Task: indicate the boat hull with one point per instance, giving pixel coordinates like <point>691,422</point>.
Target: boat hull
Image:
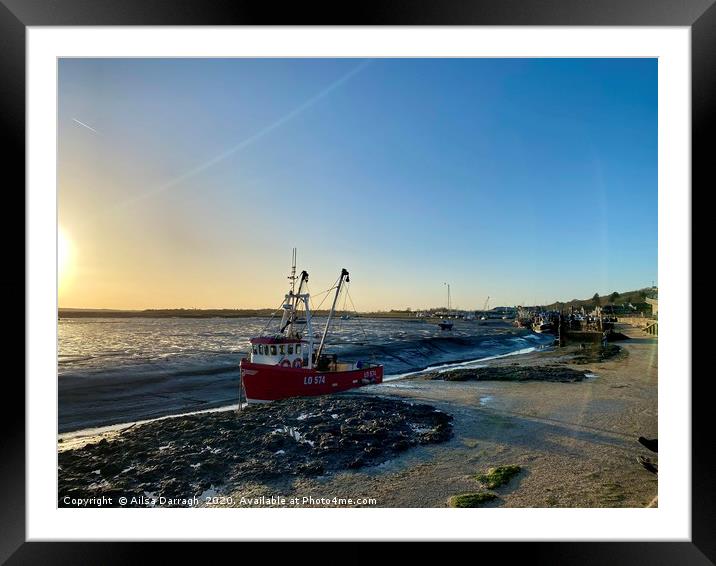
<point>264,382</point>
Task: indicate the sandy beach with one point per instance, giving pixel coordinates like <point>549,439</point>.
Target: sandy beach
<point>575,441</point>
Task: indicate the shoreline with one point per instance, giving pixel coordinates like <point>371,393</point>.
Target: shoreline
<point>575,442</point>
<point>106,390</point>
<point>106,431</point>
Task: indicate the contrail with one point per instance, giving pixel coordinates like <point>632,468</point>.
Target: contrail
<point>253,138</point>
<point>85,125</point>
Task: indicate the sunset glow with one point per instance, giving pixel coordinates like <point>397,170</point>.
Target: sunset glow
<point>64,258</point>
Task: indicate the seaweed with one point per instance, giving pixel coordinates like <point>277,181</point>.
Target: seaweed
<point>497,477</point>
<point>471,499</point>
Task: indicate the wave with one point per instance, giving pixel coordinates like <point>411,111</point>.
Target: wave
<point>418,354</point>
<point>396,357</point>
<point>141,375</point>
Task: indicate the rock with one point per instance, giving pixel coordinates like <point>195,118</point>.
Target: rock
<point>110,469</point>
<point>400,445</point>
<point>268,441</point>
<point>511,373</point>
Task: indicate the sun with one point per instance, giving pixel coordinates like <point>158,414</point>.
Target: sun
<point>65,253</point>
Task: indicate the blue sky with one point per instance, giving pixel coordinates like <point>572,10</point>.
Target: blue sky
<point>186,182</point>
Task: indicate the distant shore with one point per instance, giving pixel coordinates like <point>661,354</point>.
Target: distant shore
<point>569,424</point>
<point>163,313</point>
<point>208,313</point>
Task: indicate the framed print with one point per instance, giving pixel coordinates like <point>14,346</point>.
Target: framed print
<point>399,278</point>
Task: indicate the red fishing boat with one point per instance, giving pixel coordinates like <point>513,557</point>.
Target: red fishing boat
<point>286,363</point>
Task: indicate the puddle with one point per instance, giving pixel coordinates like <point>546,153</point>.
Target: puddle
<point>400,385</point>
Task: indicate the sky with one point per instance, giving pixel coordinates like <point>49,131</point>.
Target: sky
<point>185,183</point>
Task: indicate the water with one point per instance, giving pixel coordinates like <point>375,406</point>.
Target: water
<point>114,370</point>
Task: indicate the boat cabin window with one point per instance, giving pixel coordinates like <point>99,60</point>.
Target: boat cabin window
<point>255,349</point>
<point>273,350</point>
<point>298,348</point>
<point>282,349</point>
<point>261,349</point>
<point>290,349</point>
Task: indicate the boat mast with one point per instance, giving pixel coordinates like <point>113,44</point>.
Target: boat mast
<point>289,305</point>
<point>344,276</point>
<point>307,307</point>
<point>292,277</point>
<point>448,307</point>
<point>293,300</point>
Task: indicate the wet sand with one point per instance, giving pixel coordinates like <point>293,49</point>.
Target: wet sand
<point>575,442</point>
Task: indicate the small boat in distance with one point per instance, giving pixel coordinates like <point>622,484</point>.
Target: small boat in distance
<point>445,324</point>
<point>484,309</point>
<point>284,364</point>
<point>541,325</point>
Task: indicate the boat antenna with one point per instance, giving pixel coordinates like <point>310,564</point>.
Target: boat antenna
<point>292,277</point>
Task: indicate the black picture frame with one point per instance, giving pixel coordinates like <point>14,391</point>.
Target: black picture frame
<point>17,15</point>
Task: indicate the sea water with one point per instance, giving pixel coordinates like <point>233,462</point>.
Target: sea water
<point>114,370</point>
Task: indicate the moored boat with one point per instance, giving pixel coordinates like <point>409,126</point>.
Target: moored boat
<point>285,364</point>
<point>446,324</point>
<point>542,325</point>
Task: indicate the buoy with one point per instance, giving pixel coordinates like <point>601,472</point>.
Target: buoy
<point>297,363</point>
<point>285,363</point>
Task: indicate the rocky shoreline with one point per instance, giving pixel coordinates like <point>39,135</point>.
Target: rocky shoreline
<point>176,459</point>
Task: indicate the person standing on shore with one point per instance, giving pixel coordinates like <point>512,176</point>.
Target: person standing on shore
<point>653,445</point>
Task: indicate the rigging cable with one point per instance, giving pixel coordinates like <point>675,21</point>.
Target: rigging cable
<point>365,334</point>
<point>272,317</point>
